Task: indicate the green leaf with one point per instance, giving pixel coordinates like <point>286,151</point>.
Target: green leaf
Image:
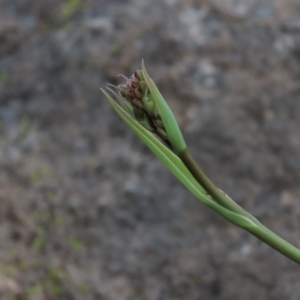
<point>123,102</point>
<point>176,166</point>
<point>173,132</point>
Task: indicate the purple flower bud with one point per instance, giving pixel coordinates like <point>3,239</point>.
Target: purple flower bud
<point>129,96</point>
<point>137,102</point>
<point>137,93</point>
<point>132,83</point>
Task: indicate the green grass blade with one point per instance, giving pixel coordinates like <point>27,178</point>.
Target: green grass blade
<point>170,123</point>
<point>123,102</point>
<point>177,168</point>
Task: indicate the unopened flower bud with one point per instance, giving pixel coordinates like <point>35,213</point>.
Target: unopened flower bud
<point>122,89</point>
<point>149,105</point>
<point>142,118</point>
<point>139,114</point>
<point>137,102</point>
<point>174,134</point>
<point>139,75</point>
<point>162,133</point>
<point>158,123</point>
<point>143,86</point>
<point>133,82</point>
<point>137,93</point>
<point>141,99</point>
<point>129,96</point>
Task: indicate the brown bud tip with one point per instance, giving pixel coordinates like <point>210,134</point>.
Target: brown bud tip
<point>137,93</point>
<point>133,82</point>
<point>137,102</point>
<point>128,96</point>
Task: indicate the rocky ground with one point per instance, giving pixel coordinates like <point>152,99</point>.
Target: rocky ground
<point>86,211</point>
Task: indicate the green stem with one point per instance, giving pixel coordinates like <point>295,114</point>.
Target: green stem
<point>260,231</point>
<point>212,190</point>
<point>276,242</point>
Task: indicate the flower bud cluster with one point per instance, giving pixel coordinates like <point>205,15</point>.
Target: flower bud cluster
<point>136,92</point>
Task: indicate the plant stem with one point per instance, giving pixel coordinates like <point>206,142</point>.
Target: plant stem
<point>218,195</point>
<point>276,242</point>
<point>260,231</point>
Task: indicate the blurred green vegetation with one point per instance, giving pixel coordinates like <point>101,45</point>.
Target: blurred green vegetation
<point>43,171</point>
<point>68,8</point>
<point>54,280</point>
<point>83,287</point>
<point>115,49</point>
<point>25,127</point>
<point>34,289</point>
<point>3,76</point>
<point>39,239</point>
<point>75,243</point>
<point>6,269</point>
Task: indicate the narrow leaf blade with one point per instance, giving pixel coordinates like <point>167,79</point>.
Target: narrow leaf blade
<point>170,123</point>
<point>177,168</point>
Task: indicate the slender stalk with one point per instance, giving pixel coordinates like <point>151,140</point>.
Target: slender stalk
<point>260,231</point>
<point>277,243</point>
<point>218,195</point>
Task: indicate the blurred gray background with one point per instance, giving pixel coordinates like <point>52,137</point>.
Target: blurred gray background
<point>86,210</point>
